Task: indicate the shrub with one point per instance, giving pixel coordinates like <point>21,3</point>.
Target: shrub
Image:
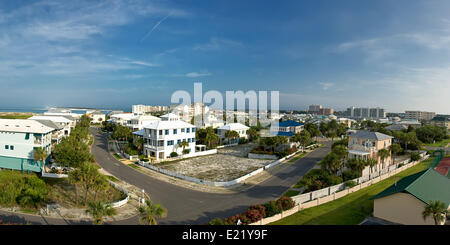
<point>186,151</point>
<point>233,219</point>
<point>272,208</point>
<point>242,141</point>
<point>261,209</point>
<point>349,175</point>
<point>281,154</point>
<point>173,154</point>
<point>285,202</point>
<point>317,179</point>
<point>251,216</point>
<point>218,221</point>
<point>401,165</point>
<point>415,156</point>
<point>25,190</point>
<point>350,183</point>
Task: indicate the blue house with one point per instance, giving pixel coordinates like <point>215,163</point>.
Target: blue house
<point>286,128</point>
<point>18,139</point>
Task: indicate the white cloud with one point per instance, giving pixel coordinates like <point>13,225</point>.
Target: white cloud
<point>326,86</point>
<point>196,74</point>
<point>215,44</point>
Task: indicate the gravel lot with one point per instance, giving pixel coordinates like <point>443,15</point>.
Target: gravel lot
<point>227,165</point>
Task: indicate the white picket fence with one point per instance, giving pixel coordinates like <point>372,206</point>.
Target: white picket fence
<point>121,202</point>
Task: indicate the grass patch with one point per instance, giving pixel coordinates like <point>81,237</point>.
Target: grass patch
<point>351,209</point>
<point>63,193</point>
<point>117,156</point>
<point>291,193</point>
<point>441,143</point>
<point>297,157</point>
<point>134,165</point>
<point>112,178</point>
<point>15,116</point>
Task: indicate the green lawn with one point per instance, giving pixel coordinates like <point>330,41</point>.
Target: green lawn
<point>441,143</point>
<point>16,116</point>
<point>351,209</point>
<point>297,157</point>
<point>291,193</point>
<point>117,156</point>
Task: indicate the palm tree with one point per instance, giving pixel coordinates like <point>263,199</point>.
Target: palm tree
<point>183,144</point>
<point>437,209</point>
<point>40,154</point>
<point>395,148</point>
<point>231,134</point>
<point>75,178</point>
<point>383,154</point>
<point>356,164</point>
<point>371,162</point>
<point>139,144</point>
<point>150,212</point>
<point>100,184</point>
<point>98,210</point>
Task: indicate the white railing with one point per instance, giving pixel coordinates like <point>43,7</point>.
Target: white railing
<point>53,175</point>
<point>121,202</point>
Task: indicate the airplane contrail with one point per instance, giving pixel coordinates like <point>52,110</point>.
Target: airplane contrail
<point>154,27</point>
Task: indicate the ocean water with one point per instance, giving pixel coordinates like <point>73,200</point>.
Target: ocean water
<point>27,110</point>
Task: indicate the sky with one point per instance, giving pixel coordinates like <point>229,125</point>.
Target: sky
<point>112,54</point>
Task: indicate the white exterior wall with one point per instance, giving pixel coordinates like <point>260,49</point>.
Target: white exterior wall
<point>23,148</point>
<point>167,149</point>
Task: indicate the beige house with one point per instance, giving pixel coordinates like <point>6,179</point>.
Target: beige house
<point>366,144</point>
<point>404,202</point>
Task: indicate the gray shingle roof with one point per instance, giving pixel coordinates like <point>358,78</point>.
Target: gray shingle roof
<point>49,123</point>
<point>397,127</point>
<point>370,135</point>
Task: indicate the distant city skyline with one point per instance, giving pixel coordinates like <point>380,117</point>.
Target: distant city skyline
<point>113,54</point>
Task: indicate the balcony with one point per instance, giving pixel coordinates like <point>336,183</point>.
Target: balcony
<point>155,148</point>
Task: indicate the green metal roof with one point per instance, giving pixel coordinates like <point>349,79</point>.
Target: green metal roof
<point>428,185</point>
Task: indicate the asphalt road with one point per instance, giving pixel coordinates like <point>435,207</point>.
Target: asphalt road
<point>186,206</point>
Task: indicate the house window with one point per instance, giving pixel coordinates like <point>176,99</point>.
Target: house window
<point>11,147</point>
<point>175,131</point>
<point>193,130</point>
<point>160,132</point>
<point>189,140</point>
<point>6,147</point>
<point>193,139</point>
<point>182,130</point>
<point>187,130</point>
<point>167,132</point>
<point>27,136</point>
<point>178,141</point>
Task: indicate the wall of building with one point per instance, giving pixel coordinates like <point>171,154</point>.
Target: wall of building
<point>401,208</point>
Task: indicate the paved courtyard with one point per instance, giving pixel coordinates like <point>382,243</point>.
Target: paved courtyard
<point>228,164</point>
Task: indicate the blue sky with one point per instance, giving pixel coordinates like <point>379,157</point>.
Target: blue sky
<point>392,54</point>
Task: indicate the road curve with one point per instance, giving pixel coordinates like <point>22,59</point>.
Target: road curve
<point>186,206</point>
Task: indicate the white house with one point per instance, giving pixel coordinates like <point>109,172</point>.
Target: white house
<point>121,118</point>
<point>238,127</point>
<point>138,122</point>
<point>163,137</point>
<point>18,139</point>
<point>97,117</point>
